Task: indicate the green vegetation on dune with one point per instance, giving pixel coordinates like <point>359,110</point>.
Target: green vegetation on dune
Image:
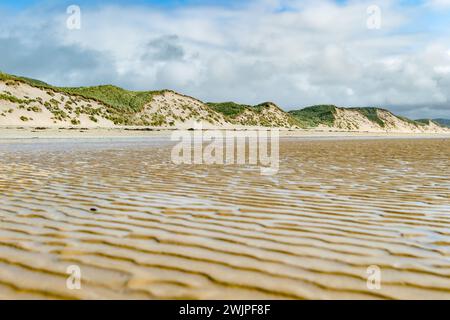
<point>125,107</point>
<point>228,109</point>
<point>10,98</point>
<point>30,81</point>
<point>259,107</point>
<point>413,122</point>
<point>253,115</point>
<point>115,97</point>
<point>314,116</point>
<point>371,114</point>
<point>121,105</point>
<point>131,101</point>
<point>232,110</point>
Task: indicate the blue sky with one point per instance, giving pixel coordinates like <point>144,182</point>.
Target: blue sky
<point>20,4</point>
<point>293,52</point>
<point>24,3</point>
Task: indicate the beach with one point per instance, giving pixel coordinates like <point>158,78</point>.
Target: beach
<point>141,227</point>
<point>24,133</point>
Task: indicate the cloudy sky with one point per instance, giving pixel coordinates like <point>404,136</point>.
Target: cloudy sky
<point>295,53</point>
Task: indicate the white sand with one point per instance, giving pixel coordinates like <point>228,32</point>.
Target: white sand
<point>13,133</point>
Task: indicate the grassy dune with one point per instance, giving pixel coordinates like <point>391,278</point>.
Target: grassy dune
<point>125,107</point>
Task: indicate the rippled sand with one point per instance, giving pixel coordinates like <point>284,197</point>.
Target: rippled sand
<point>208,232</point>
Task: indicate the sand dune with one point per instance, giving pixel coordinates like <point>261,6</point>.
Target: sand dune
<point>30,103</point>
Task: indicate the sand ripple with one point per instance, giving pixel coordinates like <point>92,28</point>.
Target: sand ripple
<point>208,232</point>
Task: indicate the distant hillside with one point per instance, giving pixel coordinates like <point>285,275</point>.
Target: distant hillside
<point>443,122</point>
<point>33,103</point>
<point>359,119</point>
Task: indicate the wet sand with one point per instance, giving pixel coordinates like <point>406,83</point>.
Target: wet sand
<point>170,231</point>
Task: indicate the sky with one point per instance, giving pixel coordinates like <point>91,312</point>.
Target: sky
<point>393,54</point>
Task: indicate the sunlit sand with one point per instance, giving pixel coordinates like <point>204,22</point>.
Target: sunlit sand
<point>141,227</point>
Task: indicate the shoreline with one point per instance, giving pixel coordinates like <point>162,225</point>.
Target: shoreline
<point>36,133</point>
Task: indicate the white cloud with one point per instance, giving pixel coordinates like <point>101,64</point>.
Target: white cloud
<point>310,52</point>
<point>439,4</point>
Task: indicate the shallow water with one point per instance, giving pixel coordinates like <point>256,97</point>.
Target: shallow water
<point>207,232</point>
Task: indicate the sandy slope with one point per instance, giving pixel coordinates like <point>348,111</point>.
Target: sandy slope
<point>183,112</point>
<point>352,120</point>
<point>11,113</point>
